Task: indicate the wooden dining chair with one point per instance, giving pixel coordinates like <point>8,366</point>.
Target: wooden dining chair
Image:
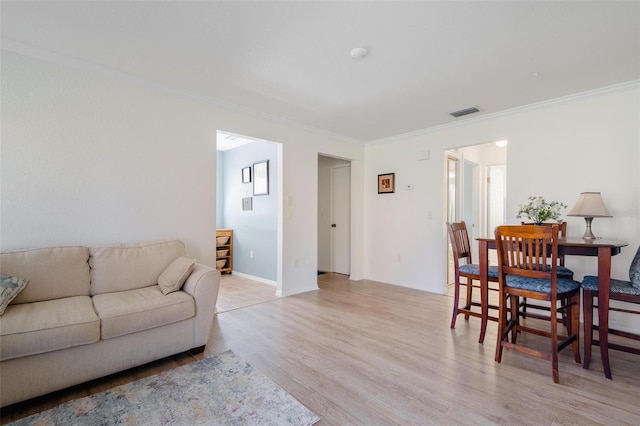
<point>625,291</point>
<point>523,259</point>
<point>563,272</point>
<point>466,273</point>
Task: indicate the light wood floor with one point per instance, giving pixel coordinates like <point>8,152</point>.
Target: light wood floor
<point>366,353</point>
<point>237,292</point>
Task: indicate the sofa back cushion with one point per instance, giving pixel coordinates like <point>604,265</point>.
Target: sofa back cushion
<point>53,272</point>
<point>131,266</point>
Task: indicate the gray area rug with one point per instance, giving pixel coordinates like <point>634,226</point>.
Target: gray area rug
<point>218,390</point>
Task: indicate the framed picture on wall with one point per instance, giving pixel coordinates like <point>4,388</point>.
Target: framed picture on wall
<point>246,175</point>
<point>261,178</point>
<point>387,183</point>
<point>247,204</point>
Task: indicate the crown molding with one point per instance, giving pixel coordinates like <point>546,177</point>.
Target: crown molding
<point>96,69</point>
<point>103,71</point>
<point>512,111</point>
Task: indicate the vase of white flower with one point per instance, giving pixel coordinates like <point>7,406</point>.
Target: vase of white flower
<point>537,210</point>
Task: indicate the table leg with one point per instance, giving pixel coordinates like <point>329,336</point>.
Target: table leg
<point>604,285</point>
<point>483,250</point>
<point>587,313</point>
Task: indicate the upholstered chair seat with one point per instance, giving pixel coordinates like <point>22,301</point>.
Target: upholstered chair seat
<point>541,285</point>
<point>474,269</point>
<point>563,272</point>
<point>590,282</point>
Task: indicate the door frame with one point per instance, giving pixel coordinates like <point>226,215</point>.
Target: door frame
<point>332,242</point>
<point>324,253</point>
<point>480,190</point>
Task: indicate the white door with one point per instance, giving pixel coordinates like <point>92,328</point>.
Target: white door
<point>340,218</point>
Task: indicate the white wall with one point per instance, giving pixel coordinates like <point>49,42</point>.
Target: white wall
<point>92,157</point>
<point>220,189</point>
<point>89,161</point>
<point>557,150</point>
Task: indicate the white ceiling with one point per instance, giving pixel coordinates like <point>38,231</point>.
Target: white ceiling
<point>291,59</point>
<point>226,141</point>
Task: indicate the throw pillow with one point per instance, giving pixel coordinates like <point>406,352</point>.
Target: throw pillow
<point>634,270</point>
<point>9,289</point>
<point>175,275</point>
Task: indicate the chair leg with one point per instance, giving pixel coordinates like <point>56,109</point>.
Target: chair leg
<point>456,298</point>
<point>484,307</point>
<point>587,305</point>
<point>514,306</point>
<point>573,325</point>
<point>554,343</point>
<point>502,324</point>
<point>469,294</point>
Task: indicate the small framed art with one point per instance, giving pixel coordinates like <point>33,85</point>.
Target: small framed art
<point>387,183</point>
<point>247,204</point>
<point>246,175</point>
<point>261,178</point>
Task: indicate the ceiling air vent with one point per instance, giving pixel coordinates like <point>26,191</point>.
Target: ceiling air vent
<point>465,111</point>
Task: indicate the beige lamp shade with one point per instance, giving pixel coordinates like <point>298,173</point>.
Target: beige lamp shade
<point>589,204</point>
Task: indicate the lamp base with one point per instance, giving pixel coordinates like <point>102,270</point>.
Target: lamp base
<point>588,235</point>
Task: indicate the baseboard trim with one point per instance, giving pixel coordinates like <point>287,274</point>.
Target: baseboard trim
<point>254,278</point>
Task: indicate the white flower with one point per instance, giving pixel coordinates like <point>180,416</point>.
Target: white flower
<point>538,210</point>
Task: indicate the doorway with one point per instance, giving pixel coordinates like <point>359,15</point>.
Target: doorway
<point>475,192</point>
<point>334,215</point>
<point>256,253</point>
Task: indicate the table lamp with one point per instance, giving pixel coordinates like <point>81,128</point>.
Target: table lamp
<point>589,205</point>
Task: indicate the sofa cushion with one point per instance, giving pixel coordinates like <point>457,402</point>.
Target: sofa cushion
<point>176,274</point>
<point>130,311</point>
<point>33,328</point>
<point>53,273</point>
<point>9,289</point>
<point>132,266</point>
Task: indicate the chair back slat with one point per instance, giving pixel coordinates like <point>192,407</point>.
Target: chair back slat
<point>459,238</point>
<point>562,232</point>
<point>525,249</point>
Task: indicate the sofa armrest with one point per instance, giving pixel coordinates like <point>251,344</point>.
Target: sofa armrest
<point>203,285</point>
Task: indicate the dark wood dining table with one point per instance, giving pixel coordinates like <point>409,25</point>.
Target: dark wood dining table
<point>569,246</point>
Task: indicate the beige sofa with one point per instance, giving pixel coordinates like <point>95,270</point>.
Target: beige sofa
<point>90,312</point>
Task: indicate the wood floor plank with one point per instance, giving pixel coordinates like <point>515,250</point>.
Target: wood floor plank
<point>375,354</point>
<point>239,292</point>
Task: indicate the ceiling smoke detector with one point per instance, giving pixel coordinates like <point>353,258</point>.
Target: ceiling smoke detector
<point>465,111</point>
<point>359,53</point>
